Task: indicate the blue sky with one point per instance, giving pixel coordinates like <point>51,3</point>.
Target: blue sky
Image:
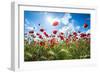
<point>67,21</point>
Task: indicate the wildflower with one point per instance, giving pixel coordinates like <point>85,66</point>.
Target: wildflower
<point>37,34</point>
<point>41,29</point>
<point>61,33</point>
<point>42,43</point>
<point>61,37</point>
<point>88,35</point>
<point>85,25</point>
<point>82,35</point>
<point>31,32</point>
<point>55,23</point>
<point>40,36</point>
<point>54,31</point>
<point>45,34</point>
<point>74,33</point>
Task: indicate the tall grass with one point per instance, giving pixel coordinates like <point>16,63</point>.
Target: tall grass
<point>79,49</point>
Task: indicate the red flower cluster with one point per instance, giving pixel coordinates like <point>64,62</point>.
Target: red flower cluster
<point>82,35</point>
<point>73,37</point>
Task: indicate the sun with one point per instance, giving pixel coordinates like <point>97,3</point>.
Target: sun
<point>50,20</point>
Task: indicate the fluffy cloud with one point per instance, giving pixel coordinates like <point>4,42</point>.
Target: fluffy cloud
<point>88,31</point>
<point>30,28</point>
<point>68,26</point>
<point>77,27</point>
<point>67,29</point>
<point>66,18</point>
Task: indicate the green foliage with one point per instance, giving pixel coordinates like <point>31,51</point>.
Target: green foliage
<point>58,52</point>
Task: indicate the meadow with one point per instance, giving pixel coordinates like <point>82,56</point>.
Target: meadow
<point>75,46</point>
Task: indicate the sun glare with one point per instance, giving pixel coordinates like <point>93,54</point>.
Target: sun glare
<point>49,19</point>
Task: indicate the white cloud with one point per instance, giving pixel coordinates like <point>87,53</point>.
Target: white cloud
<point>77,27</point>
<point>63,29</point>
<point>88,31</point>
<point>29,28</point>
<point>66,18</point>
<point>69,26</point>
<point>67,29</point>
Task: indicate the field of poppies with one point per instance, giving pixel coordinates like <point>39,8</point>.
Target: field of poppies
<point>56,46</point>
<point>56,36</point>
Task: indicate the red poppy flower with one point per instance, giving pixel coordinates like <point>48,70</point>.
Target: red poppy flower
<point>61,37</point>
<point>40,36</point>
<point>42,43</point>
<point>55,23</point>
<point>31,32</point>
<point>85,25</point>
<point>76,37</point>
<point>61,33</point>
<point>41,29</point>
<point>54,31</point>
<point>74,33</point>
<point>88,35</point>
<point>45,34</point>
<point>37,34</point>
<point>82,35</point>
